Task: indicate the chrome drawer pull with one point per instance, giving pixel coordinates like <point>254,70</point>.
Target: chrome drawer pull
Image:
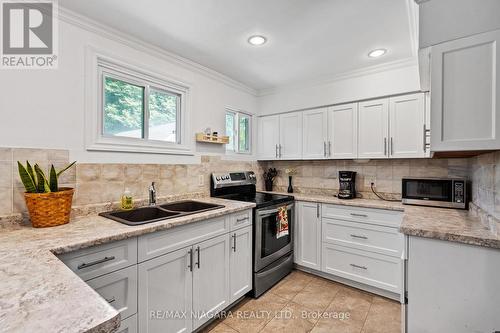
<point>190,266</point>
<point>359,215</point>
<point>198,263</point>
<point>110,300</point>
<point>360,267</point>
<point>234,242</point>
<point>357,236</point>
<point>100,261</point>
<point>241,220</point>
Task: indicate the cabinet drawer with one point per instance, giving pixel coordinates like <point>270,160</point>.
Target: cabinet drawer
<point>364,236</point>
<point>128,325</point>
<point>102,259</point>
<point>382,217</point>
<point>155,244</point>
<point>240,220</point>
<point>373,269</point>
<point>119,289</point>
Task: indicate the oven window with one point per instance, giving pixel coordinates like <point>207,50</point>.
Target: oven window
<point>271,244</point>
<point>438,190</point>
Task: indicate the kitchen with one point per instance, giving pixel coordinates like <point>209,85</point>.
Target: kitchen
<point>231,166</point>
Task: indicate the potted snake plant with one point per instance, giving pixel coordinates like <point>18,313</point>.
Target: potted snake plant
<point>48,204</point>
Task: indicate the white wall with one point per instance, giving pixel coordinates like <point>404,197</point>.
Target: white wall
<point>45,108</point>
<point>370,85</point>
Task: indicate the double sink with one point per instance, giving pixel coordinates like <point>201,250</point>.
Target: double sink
<point>151,214</point>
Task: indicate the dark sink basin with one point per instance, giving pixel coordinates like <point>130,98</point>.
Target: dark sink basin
<point>189,206</point>
<point>140,215</point>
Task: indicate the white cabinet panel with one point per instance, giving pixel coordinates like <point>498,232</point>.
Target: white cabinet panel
<point>464,87</point>
<point>240,264</point>
<point>343,131</point>
<point>128,325</point>
<point>406,126</point>
<point>315,129</point>
<point>210,278</point>
<point>308,235</point>
<point>290,129</point>
<point>269,137</point>
<point>461,282</point>
<point>165,284</point>
<point>373,128</point>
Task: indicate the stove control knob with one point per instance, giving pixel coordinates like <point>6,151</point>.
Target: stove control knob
<point>217,178</point>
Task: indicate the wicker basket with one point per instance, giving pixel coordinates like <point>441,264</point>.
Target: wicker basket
<point>49,209</point>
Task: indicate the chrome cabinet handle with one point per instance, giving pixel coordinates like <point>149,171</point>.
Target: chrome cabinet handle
<point>276,151</point>
<point>385,146</point>
<point>324,148</point>
<point>198,263</point>
<point>234,242</point>
<point>425,141</point>
<point>359,215</point>
<point>241,220</point>
<point>317,210</point>
<point>360,267</point>
<point>280,155</point>
<point>92,263</point>
<point>357,236</point>
<point>110,300</point>
<point>190,266</point>
<point>392,147</point>
<point>329,149</point>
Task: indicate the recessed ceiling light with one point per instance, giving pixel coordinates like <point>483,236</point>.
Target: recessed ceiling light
<point>257,40</point>
<point>377,53</point>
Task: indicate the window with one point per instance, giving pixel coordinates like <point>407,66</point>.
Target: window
<point>238,128</point>
<point>137,111</point>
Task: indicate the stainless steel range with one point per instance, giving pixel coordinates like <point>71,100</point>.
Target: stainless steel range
<point>272,250</point>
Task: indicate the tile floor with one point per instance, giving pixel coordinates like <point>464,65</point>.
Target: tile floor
<point>294,306</point>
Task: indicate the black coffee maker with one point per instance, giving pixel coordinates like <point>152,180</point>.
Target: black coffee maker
<point>347,182</point>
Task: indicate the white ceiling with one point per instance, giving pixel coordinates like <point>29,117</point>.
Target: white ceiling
<point>307,39</point>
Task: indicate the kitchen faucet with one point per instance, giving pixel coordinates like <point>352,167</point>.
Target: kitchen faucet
<point>152,194</point>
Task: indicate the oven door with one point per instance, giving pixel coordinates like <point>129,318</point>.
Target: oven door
<point>268,247</point>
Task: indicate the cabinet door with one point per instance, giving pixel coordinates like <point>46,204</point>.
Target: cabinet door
<point>314,135</point>
<point>465,110</point>
<point>290,136</point>
<point>343,131</point>
<point>406,126</point>
<point>165,293</point>
<point>210,278</point>
<point>308,235</point>
<point>373,129</point>
<point>268,140</point>
<point>240,264</point>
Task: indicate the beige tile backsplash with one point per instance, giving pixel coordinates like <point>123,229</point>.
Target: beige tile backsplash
<point>321,177</point>
<point>104,183</point>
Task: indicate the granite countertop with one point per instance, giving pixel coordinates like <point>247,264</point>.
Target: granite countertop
<point>38,293</point>
<point>453,225</point>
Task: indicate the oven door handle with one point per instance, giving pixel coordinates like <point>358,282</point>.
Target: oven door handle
<point>272,211</point>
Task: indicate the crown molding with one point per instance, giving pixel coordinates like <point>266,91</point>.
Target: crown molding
<point>106,31</point>
<point>408,62</point>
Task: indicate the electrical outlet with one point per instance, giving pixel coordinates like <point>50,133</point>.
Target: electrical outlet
<point>369,180</point>
<point>201,180</point>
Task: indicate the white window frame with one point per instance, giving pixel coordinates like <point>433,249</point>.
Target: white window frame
<point>237,113</point>
<point>99,66</point>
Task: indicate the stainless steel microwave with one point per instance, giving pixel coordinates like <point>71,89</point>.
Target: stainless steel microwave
<point>438,192</point>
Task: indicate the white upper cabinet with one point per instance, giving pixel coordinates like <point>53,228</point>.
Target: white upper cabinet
<point>269,137</point>
<point>290,129</point>
<point>343,131</point>
<point>373,130</point>
<point>407,126</point>
<point>465,111</point>
<point>315,134</point>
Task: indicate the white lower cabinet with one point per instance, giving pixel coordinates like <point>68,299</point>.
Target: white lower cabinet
<point>210,279</point>
<point>128,325</point>
<point>355,245</point>
<point>165,293</point>
<point>308,235</point>
<point>240,263</point>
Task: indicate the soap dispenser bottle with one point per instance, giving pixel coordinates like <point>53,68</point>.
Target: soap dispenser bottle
<point>127,202</point>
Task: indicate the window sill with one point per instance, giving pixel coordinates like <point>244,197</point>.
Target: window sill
<point>141,148</point>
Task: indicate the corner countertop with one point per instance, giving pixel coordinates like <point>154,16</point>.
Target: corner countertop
<point>38,293</point>
<point>452,225</point>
